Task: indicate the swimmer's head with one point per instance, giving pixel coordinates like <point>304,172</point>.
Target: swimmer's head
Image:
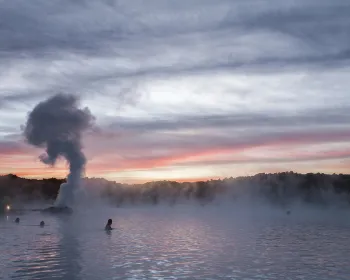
<point>42,223</point>
<point>109,222</point>
<point>17,220</point>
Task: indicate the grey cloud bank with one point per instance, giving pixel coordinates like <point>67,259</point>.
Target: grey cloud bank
<point>166,38</point>
<point>105,51</point>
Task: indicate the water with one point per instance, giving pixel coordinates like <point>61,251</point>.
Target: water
<point>176,243</point>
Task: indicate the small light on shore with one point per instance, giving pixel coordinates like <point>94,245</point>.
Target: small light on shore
<point>8,207</point>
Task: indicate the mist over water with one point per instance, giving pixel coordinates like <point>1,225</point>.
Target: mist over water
<point>57,125</point>
<point>185,241</point>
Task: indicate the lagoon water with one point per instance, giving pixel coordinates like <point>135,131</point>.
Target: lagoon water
<point>178,242</point>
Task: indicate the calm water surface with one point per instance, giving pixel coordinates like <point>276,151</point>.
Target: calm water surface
<point>176,243</point>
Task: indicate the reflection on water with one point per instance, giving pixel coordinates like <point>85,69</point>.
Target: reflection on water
<point>173,244</point>
<point>51,252</point>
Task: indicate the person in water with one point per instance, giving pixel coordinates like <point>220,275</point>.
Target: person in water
<point>109,225</point>
<point>42,223</point>
<point>17,220</point>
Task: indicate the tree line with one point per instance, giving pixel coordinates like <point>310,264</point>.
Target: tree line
<point>277,188</point>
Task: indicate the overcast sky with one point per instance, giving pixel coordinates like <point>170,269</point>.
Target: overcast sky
<point>183,90</point>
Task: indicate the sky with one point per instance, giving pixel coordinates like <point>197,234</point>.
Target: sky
<point>182,90</point>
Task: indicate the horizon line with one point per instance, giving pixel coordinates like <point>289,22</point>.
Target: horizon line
<point>195,180</point>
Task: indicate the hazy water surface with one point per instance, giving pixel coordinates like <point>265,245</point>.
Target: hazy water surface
<point>177,243</point>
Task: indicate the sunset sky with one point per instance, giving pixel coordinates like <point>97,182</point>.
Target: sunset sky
<point>182,90</point>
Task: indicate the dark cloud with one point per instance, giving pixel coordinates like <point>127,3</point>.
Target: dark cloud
<point>57,124</point>
<point>213,36</point>
<point>44,28</point>
<point>306,119</point>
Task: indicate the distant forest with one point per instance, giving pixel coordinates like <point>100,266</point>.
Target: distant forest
<point>280,188</point>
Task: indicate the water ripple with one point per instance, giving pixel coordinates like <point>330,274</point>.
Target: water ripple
<point>155,245</point>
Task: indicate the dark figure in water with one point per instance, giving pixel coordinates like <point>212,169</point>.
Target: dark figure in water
<point>17,221</point>
<point>109,225</point>
<point>42,223</point>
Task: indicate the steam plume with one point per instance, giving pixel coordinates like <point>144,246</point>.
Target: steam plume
<point>57,124</point>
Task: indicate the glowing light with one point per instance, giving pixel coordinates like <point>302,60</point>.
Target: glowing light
<point>8,207</point>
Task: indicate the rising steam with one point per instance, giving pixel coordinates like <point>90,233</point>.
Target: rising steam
<point>57,125</point>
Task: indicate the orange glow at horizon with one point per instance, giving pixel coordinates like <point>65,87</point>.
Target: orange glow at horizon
<point>294,154</point>
<point>133,174</point>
